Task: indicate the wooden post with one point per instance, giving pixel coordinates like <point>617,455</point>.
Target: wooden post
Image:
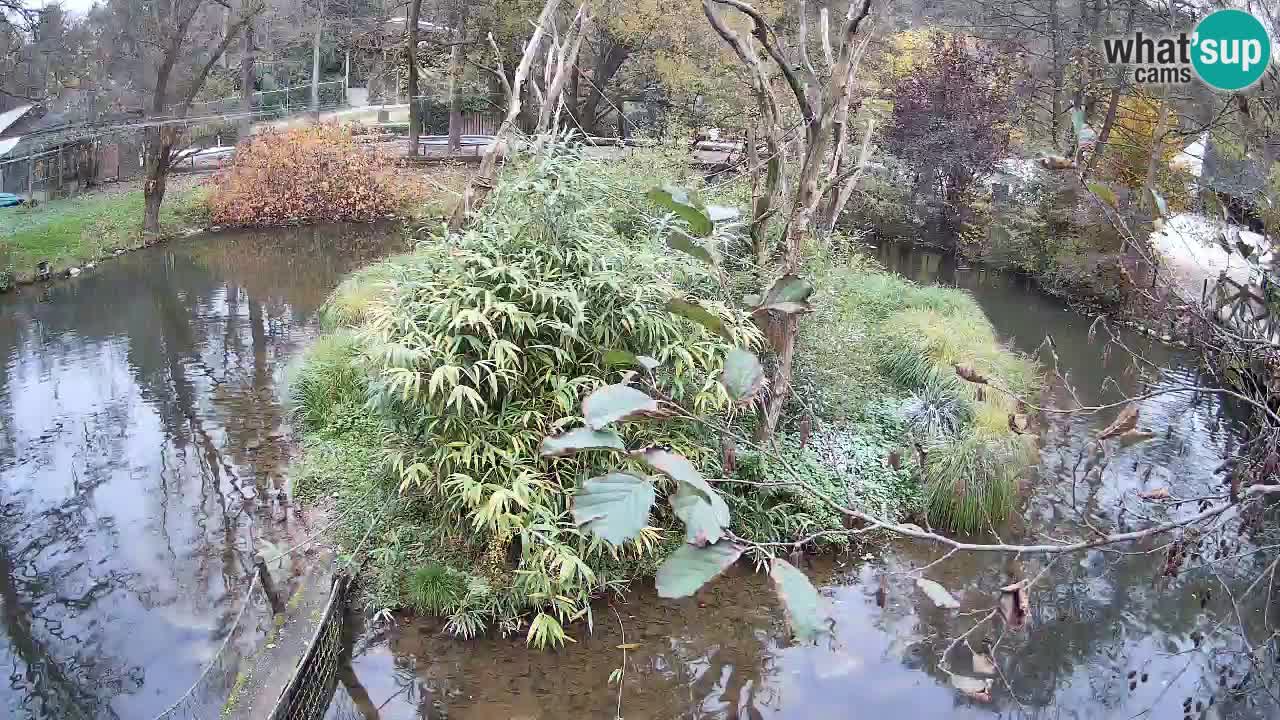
<point>268,586</point>
<point>31,181</point>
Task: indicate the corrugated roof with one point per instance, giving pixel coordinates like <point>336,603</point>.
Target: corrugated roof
<point>12,116</point>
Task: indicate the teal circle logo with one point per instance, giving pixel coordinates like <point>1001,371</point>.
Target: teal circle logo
<point>1231,50</point>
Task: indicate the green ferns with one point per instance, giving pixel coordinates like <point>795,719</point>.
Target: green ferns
<point>472,349</point>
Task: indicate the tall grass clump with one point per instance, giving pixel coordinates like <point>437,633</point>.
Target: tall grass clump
<point>880,340</point>
<point>324,379</point>
<point>970,482</point>
<point>471,350</point>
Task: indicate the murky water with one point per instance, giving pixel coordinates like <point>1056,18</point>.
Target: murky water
<point>141,431</point>
<point>1106,637</point>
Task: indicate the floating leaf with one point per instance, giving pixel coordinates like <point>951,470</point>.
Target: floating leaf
<point>689,568</point>
<point>580,439</point>
<point>788,288</point>
<point>968,373</point>
<point>678,468</point>
<point>629,359</point>
<point>742,377</point>
<point>704,522</point>
<point>807,611</point>
<point>1104,193</point>
<point>680,240</point>
<point>1133,437</point>
<point>1160,493</point>
<point>612,403</point>
<point>614,507</point>
<point>627,646</point>
<point>983,664</point>
<point>1014,604</point>
<point>700,315</point>
<point>685,205</point>
<point>1124,422</point>
<point>938,594</point>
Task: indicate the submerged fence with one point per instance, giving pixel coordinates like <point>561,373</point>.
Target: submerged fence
<point>309,691</point>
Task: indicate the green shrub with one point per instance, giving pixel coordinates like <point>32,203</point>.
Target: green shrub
<point>471,350</point>
<point>325,378</point>
<point>878,362</point>
<point>435,589</point>
<point>970,481</point>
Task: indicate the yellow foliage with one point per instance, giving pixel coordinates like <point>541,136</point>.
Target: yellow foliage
<point>907,49</point>
<point>1132,142</point>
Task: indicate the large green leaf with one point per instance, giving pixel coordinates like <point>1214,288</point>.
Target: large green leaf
<point>704,522</point>
<point>689,568</point>
<point>614,507</point>
<point>630,359</point>
<point>685,205</point>
<point>808,612</point>
<point>1106,194</point>
<point>678,468</point>
<point>612,403</point>
<point>742,377</point>
<point>580,439</point>
<point>700,315</point>
<point>680,240</point>
<point>788,288</point>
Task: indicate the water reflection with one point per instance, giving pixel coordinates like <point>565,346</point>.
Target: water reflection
<point>1095,619</point>
<point>140,433</point>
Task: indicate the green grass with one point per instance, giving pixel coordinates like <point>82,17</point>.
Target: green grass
<point>71,232</point>
<point>880,341</point>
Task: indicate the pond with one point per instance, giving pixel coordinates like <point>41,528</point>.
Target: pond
<point>141,435</point>
<point>1106,635</point>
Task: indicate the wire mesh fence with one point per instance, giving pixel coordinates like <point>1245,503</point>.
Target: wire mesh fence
<point>222,676</point>
<point>310,690</point>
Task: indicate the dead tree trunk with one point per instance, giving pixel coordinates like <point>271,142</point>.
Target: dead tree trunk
<point>824,111</point>
<point>482,183</point>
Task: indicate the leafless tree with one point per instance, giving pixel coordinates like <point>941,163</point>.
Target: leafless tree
<point>821,99</point>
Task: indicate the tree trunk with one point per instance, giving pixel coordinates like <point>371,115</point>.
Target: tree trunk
<point>415,119</point>
<point>315,63</point>
<point>247,80</point>
<point>482,183</point>
<point>159,144</point>
<point>1055,51</point>
<point>605,70</point>
<point>455,94</point>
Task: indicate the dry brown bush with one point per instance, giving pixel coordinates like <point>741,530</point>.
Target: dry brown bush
<point>318,173</point>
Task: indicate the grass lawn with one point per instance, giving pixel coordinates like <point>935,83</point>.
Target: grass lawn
<point>87,227</point>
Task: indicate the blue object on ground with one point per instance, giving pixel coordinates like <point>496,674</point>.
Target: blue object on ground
<point>8,199</point>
